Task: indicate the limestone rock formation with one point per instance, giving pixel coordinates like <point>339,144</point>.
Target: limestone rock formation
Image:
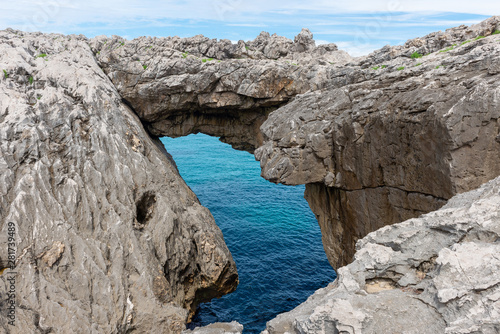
<point>217,328</point>
<point>108,237</point>
<point>439,273</point>
<point>391,136</point>
<point>182,86</point>
<point>377,139</point>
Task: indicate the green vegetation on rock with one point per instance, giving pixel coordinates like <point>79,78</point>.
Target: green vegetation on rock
<point>416,55</point>
<point>448,48</point>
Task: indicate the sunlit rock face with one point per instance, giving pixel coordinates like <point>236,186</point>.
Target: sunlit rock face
<point>392,136</point>
<point>441,270</point>
<point>108,237</point>
<point>377,139</point>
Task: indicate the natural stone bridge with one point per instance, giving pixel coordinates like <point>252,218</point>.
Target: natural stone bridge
<point>110,238</point>
<point>374,145</point>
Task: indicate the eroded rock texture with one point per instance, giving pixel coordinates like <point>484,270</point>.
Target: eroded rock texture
<point>109,238</point>
<point>377,139</point>
<point>182,86</point>
<point>391,137</point>
<point>435,274</point>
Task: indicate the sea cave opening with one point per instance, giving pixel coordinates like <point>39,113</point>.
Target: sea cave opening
<point>270,230</point>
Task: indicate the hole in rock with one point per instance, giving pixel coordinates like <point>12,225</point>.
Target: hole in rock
<point>144,209</point>
<point>272,234</point>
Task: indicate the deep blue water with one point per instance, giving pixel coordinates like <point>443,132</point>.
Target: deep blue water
<point>272,234</point>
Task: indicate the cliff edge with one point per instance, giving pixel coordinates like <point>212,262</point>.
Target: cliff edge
<point>107,237</point>
<point>439,273</point>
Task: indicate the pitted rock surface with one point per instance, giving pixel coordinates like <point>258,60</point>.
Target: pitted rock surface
<point>438,273</point>
<point>109,238</point>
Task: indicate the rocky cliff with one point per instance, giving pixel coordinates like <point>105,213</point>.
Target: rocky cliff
<point>109,237</point>
<point>377,139</point>
<point>393,135</point>
<point>435,274</point>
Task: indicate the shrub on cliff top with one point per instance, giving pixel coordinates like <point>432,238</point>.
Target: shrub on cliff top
<point>415,55</point>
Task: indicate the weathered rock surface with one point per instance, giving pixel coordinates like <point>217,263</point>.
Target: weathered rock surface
<point>217,328</point>
<point>391,137</point>
<point>377,139</point>
<point>109,238</point>
<point>439,273</point>
<point>182,86</point>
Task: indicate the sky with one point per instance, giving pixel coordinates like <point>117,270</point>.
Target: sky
<point>358,27</point>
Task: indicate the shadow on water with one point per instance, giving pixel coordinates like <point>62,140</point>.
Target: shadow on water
<point>272,234</point>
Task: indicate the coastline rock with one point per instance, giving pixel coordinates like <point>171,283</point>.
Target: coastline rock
<point>389,142</point>
<point>217,328</point>
<point>179,86</point>
<point>394,135</point>
<point>111,239</point>
<point>108,236</point>
<point>435,274</point>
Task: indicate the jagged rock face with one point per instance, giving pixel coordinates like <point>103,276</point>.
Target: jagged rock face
<point>435,274</point>
<point>218,328</point>
<point>376,141</point>
<point>108,236</point>
<point>389,141</point>
<point>182,86</point>
<point>111,238</point>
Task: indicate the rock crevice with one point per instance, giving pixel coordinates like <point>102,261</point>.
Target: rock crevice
<point>111,239</point>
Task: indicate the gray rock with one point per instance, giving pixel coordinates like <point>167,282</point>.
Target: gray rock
<point>217,328</point>
<point>304,41</point>
<point>394,135</point>
<point>109,238</point>
<point>435,274</point>
<point>389,142</point>
<point>177,87</point>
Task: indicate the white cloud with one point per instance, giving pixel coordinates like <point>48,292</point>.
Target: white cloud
<point>66,12</point>
<point>246,25</point>
<point>356,49</point>
<point>321,42</point>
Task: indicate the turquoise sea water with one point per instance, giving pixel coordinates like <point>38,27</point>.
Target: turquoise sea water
<point>272,234</point>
